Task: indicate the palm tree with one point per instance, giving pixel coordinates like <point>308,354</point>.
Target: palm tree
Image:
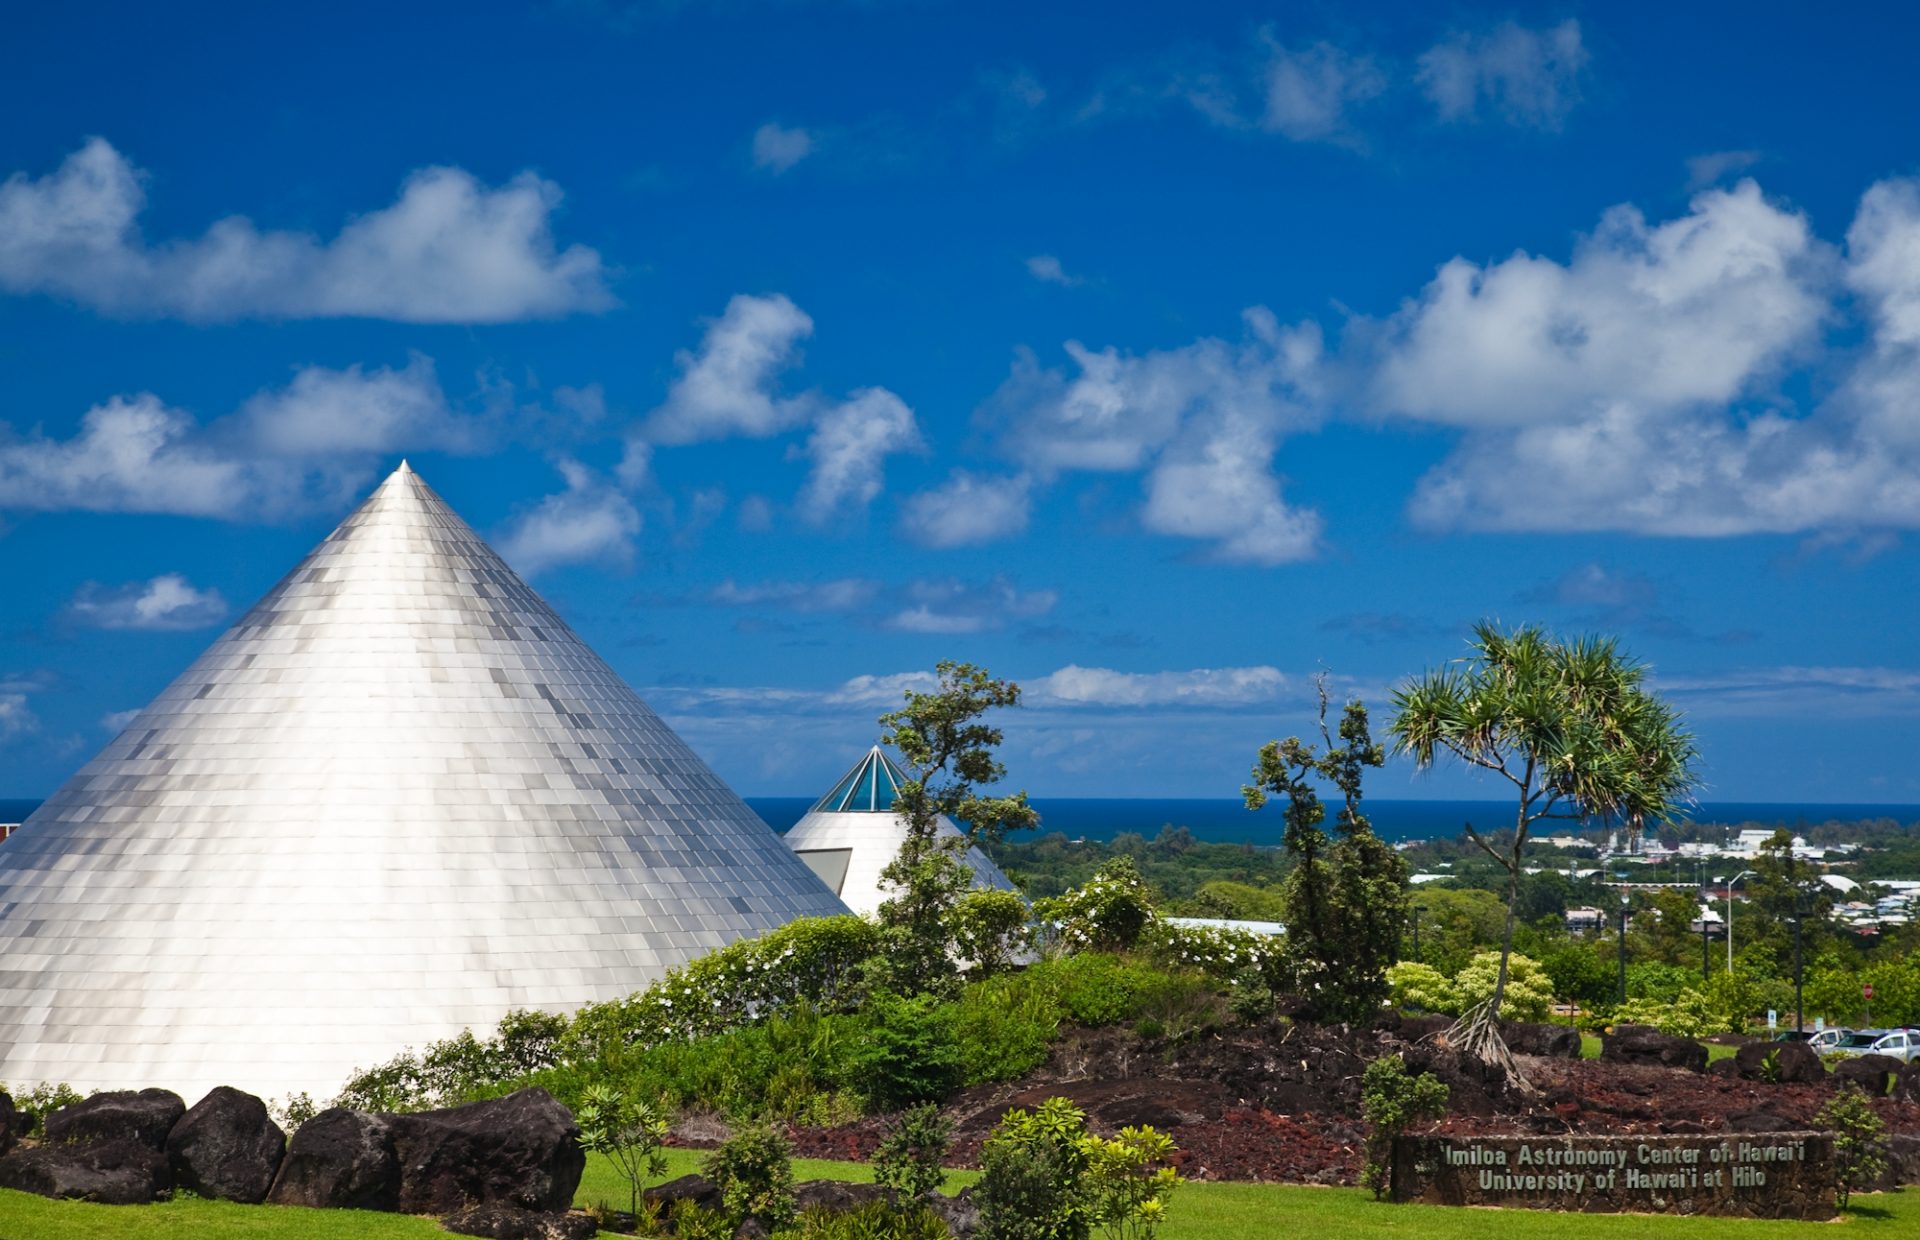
<point>1572,728</point>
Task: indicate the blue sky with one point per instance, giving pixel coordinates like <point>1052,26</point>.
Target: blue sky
<point>1157,357</point>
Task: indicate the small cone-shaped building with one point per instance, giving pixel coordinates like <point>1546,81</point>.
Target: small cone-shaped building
<point>398,799</point>
<point>851,834</point>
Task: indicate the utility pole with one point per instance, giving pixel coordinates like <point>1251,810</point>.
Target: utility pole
<point>1623,945</point>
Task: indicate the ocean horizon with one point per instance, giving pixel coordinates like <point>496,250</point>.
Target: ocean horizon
<point>1225,820</point>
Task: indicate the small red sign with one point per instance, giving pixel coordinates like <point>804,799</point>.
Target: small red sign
<point>1866,990</point>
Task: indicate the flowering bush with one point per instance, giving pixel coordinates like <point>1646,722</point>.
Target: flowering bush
<point>1110,913</point>
<point>1223,954</point>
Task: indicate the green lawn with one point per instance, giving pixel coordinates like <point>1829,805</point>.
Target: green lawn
<point>1200,1212</point>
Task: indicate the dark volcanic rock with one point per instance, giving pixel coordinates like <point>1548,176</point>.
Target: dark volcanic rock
<point>118,1172</point>
<point>145,1117</point>
<point>1644,1044</point>
<point>1547,1041</point>
<point>1759,1121</point>
<point>9,1123</point>
<point>1908,1086</point>
<point>1794,1063</point>
<point>1872,1073</point>
<point>836,1195</point>
<point>1723,1067</point>
<point>498,1221</point>
<point>523,1150</point>
<point>227,1147</point>
<point>959,1213</point>
<point>698,1189</point>
<point>340,1159</point>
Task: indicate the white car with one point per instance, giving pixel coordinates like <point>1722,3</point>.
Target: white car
<point>1828,1039</point>
<point>1901,1044</point>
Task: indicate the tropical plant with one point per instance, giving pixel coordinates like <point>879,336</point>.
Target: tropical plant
<point>1571,727</point>
<point>910,1052</point>
<point>1032,1167</point>
<point>1859,1141</point>
<point>989,930</point>
<point>753,1169</point>
<point>1392,1100</point>
<point>910,1156</point>
<point>1108,913</point>
<point>1129,1180</point>
<point>627,1130</point>
<point>949,756</point>
<point>1345,901</point>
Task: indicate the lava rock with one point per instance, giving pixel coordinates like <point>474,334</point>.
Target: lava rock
<point>117,1172</point>
<point>698,1189</point>
<point>499,1221</point>
<point>836,1195</point>
<point>1759,1121</point>
<point>522,1150</point>
<point>1908,1086</point>
<point>9,1123</point>
<point>961,1216</point>
<point>1873,1073</point>
<point>1794,1063</point>
<point>1546,1041</point>
<point>1643,1044</point>
<point>340,1159</point>
<point>122,1115</point>
<point>227,1147</point>
<point>1723,1067</point>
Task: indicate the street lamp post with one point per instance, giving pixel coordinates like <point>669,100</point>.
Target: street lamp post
<point>1730,882</point>
<point>1624,899</point>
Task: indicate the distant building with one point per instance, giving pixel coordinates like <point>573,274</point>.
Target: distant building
<point>8,828</point>
<point>1582,920</point>
<point>851,834</point>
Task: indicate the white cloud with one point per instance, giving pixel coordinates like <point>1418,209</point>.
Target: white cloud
<point>167,603</point>
<point>1715,166</point>
<point>849,447</point>
<point>777,148</point>
<point>726,387</point>
<point>589,522</point>
<point>968,509</point>
<point>1797,692</point>
<point>1629,388</point>
<point>1526,77</point>
<point>353,411</point>
<point>1098,686</point>
<point>1311,91</point>
<point>1606,590</point>
<point>1047,269</point>
<point>952,606</point>
<point>1202,421</point>
<point>315,442</point>
<point>16,718</point>
<point>839,594</point>
<point>449,250</point>
<point>117,721</point>
<point>889,690</point>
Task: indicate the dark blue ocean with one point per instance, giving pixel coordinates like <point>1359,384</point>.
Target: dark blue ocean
<point>1222,820</point>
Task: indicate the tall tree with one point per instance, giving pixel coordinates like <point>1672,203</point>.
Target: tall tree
<point>1572,728</point>
<point>949,755</point>
<point>1346,899</point>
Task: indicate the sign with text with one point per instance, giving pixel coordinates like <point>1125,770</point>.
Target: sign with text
<point>1745,1175</point>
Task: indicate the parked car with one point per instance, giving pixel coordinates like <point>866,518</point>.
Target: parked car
<point>1821,1042</point>
<point>1901,1044</point>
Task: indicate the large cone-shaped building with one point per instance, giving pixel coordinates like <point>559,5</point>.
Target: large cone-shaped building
<point>397,800</point>
<point>851,834</point>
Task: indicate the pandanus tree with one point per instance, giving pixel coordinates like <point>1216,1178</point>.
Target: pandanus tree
<point>1573,729</point>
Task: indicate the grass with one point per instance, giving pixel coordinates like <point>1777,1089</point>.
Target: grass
<point>1200,1212</point>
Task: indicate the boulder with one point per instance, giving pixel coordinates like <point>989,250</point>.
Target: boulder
<point>521,1150</point>
<point>836,1195</point>
<point>1908,1086</point>
<point>227,1147</point>
<point>1546,1041</point>
<point>1760,1121</point>
<point>1643,1044</point>
<point>9,1123</point>
<point>340,1159</point>
<point>1794,1063</point>
<point>117,1172</point>
<point>961,1216</point>
<point>1723,1067</point>
<point>146,1117</point>
<point>698,1189</point>
<point>499,1221</point>
<point>1873,1073</point>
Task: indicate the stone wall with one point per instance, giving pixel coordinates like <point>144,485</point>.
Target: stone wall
<point>1769,1175</point>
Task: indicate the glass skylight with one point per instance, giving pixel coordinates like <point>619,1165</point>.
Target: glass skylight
<point>869,788</point>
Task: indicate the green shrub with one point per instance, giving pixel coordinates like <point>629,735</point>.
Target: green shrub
<point>1391,1100</point>
<point>1225,955</point>
<point>1689,1016</point>
<point>876,1220</point>
<point>1110,913</point>
<point>628,1131</point>
<point>989,930</point>
<point>44,1099</point>
<point>910,1052</point>
<point>688,1220</point>
<point>1099,988</point>
<point>1005,1027</point>
<point>1859,1141</point>
<point>1129,1182</point>
<point>911,1155</point>
<point>1032,1170</point>
<point>1528,996</point>
<point>753,1170</point>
